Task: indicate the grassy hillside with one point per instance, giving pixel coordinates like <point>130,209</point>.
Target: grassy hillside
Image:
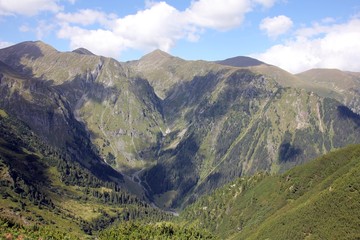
<point>343,86</point>
<point>318,200</point>
<point>43,191</point>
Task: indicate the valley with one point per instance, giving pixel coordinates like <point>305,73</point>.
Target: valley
<point>161,136</point>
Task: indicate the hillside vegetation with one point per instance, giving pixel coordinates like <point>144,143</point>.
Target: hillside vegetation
<point>317,200</point>
<point>41,189</point>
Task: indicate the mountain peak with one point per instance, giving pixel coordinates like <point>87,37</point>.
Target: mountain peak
<point>37,44</point>
<point>32,49</point>
<point>240,61</point>
<point>156,55</point>
<point>83,51</point>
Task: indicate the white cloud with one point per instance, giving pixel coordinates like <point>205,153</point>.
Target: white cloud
<point>102,42</point>
<point>276,26</point>
<point>5,44</point>
<point>43,29</point>
<point>158,26</point>
<point>28,7</point>
<point>218,14</point>
<point>86,17</point>
<point>319,46</point>
<point>222,14</point>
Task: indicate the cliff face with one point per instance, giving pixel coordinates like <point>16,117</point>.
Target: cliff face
<point>180,128</point>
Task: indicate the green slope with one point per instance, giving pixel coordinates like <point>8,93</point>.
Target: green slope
<point>41,187</point>
<point>341,85</point>
<point>317,200</point>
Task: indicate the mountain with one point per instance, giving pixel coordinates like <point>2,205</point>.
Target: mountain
<point>240,61</point>
<point>343,86</point>
<point>317,200</point>
<point>161,131</point>
<point>119,115</point>
<point>164,71</point>
<point>83,51</point>
<point>171,130</point>
<point>235,121</point>
<point>42,187</point>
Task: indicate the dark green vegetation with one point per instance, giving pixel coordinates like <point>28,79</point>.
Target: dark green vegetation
<point>164,230</point>
<point>12,230</point>
<point>88,141</point>
<point>40,186</point>
<point>317,200</point>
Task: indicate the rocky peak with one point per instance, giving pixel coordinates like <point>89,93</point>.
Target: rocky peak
<point>83,51</point>
<point>156,56</point>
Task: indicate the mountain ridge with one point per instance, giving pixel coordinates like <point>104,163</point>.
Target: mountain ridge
<point>176,129</point>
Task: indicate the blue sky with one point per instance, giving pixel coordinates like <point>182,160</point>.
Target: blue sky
<point>293,34</point>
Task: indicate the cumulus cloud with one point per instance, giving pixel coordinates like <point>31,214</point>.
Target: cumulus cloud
<point>103,42</point>
<point>86,17</point>
<point>276,26</point>
<point>28,7</point>
<point>158,26</point>
<point>5,44</point>
<point>318,46</point>
<point>217,14</point>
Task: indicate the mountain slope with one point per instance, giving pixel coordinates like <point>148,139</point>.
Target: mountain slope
<point>164,71</point>
<point>46,112</point>
<point>343,86</point>
<point>318,200</point>
<point>42,186</point>
<point>119,113</point>
<point>175,129</point>
<point>234,122</point>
